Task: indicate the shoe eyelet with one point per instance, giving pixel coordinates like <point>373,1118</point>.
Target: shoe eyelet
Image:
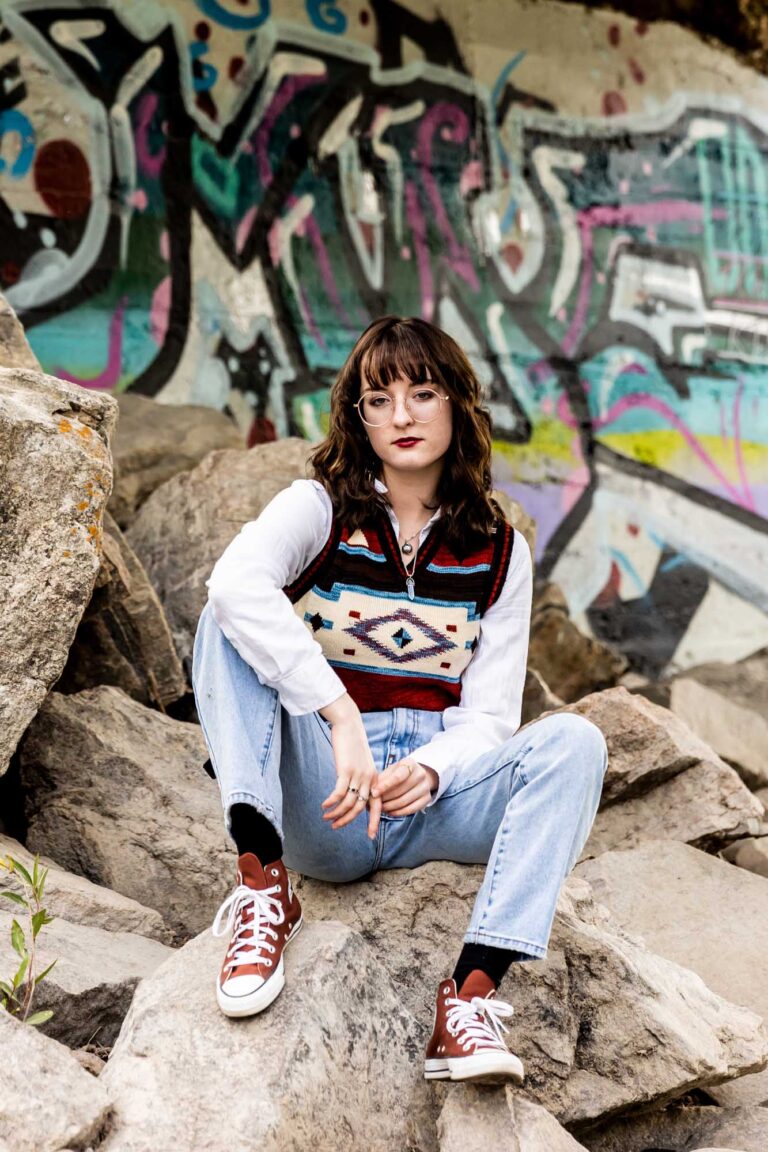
<point>275,872</point>
<point>267,963</point>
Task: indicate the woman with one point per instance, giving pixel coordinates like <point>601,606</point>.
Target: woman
<point>359,670</point>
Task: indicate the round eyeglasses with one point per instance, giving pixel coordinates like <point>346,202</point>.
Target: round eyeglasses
<point>377,408</point>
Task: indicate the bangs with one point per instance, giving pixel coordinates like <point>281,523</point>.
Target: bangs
<point>399,352</point>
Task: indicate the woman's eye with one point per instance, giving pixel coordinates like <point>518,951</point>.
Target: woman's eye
<point>426,395</point>
<point>378,401</point>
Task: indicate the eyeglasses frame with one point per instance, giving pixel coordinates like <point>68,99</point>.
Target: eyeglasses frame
<point>374,391</point>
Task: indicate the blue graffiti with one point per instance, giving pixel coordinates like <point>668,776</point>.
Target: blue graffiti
<point>11,120</point>
<point>204,82</point>
<point>215,11</point>
<point>326,16</point>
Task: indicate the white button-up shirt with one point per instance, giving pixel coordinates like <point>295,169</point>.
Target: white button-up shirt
<point>245,591</point>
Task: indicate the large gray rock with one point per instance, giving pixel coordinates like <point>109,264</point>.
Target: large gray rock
<point>185,525</point>
<point>156,441</point>
<point>727,705</point>
<point>47,1102</point>
<point>683,1128</point>
<point>91,986</point>
<point>474,1120</point>
<point>663,781</point>
<point>55,477</point>
<point>123,638</point>
<point>600,1024</point>
<point>751,854</point>
<point>700,912</point>
<point>331,1065</point>
<point>517,517</point>
<point>571,663</point>
<point>117,792</point>
<point>78,900</point>
<point>15,351</point>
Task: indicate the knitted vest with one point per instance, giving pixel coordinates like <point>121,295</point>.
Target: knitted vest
<point>391,651</point>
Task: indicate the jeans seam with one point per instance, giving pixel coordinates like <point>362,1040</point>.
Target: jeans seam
<point>514,764</point>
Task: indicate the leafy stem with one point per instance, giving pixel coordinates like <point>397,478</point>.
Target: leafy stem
<point>16,994</point>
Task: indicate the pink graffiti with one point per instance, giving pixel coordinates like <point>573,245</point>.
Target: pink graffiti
<point>150,162</point>
<point>289,89</point>
<point>456,125</point>
<point>111,374</point>
<point>624,216</point>
<point>655,404</point>
<point>419,230</point>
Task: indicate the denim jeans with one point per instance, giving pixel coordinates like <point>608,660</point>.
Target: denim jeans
<point>524,809</point>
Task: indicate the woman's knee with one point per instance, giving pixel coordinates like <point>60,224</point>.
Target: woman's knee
<point>569,739</point>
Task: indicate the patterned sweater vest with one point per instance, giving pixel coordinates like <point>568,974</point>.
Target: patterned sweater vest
<point>391,651</point>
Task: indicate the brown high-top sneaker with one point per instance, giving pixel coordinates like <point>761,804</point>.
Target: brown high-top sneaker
<point>263,914</point>
<point>466,1042</point>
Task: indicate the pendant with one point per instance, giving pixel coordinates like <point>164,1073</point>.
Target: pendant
<point>407,548</point>
<point>409,583</point>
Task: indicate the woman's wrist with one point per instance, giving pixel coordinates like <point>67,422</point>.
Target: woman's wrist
<point>343,708</point>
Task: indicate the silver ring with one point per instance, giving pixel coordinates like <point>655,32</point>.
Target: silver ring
<point>363,798</point>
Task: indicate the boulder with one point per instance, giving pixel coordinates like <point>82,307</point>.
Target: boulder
<point>91,986</point>
<point>571,663</point>
<point>476,1120</point>
<point>517,517</point>
<point>116,792</point>
<point>55,477</point>
<point>185,525</point>
<point>15,351</point>
<point>156,441</point>
<point>751,854</point>
<point>663,781</point>
<point>47,1101</point>
<point>601,1024</point>
<point>680,1128</point>
<point>707,806</point>
<point>700,912</point>
<point>727,705</point>
<point>123,638</point>
<point>76,899</point>
<point>537,697</point>
<point>333,1063</point>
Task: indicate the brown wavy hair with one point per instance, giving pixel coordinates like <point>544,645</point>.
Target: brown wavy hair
<point>345,463</point>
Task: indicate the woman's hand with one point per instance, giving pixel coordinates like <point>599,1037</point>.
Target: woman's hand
<point>405,787</point>
<point>354,768</point>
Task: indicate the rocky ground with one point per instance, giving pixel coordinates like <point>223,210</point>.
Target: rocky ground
<point>643,1027</point>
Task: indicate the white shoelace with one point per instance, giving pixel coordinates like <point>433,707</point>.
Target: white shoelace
<point>249,937</point>
<point>477,1022</point>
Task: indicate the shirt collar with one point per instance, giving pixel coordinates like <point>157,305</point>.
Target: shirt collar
<point>380,486</point>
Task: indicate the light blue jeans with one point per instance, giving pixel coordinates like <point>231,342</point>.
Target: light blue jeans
<point>525,808</point>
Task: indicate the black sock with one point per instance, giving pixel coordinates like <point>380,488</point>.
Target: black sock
<point>252,832</point>
<point>493,961</point>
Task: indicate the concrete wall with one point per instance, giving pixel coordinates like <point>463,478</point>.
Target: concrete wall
<point>208,200</point>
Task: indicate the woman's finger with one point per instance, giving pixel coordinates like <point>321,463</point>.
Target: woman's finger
<point>346,801</point>
<point>357,807</point>
<point>394,806</point>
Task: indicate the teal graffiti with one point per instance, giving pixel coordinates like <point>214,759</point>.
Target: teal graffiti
<point>11,120</point>
<point>325,15</point>
<point>215,11</point>
<point>216,177</point>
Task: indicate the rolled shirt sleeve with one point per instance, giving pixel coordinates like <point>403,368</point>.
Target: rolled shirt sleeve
<point>490,706</point>
<point>245,591</point>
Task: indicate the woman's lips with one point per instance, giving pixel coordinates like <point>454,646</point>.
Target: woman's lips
<point>408,442</point>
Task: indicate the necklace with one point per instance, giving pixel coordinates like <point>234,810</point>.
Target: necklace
<point>410,583</point>
<point>406,546</point>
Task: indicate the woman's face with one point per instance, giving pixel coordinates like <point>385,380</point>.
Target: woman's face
<point>405,443</point>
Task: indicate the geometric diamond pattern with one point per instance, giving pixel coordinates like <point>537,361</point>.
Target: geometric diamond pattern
<point>390,645</point>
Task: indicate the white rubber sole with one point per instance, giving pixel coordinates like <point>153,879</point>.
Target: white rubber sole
<point>483,1068</point>
<point>238,1006</point>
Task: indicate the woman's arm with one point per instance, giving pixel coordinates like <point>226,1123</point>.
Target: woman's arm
<point>253,612</point>
<point>492,685</point>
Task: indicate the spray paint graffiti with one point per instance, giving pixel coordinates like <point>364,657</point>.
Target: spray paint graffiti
<point>228,200</point>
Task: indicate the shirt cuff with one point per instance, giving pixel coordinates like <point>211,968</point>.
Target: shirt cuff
<point>433,757</point>
<point>311,686</point>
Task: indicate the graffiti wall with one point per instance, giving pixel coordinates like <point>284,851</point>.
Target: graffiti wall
<point>207,200</point>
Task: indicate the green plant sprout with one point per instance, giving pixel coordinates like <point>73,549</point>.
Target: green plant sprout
<point>16,995</point>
